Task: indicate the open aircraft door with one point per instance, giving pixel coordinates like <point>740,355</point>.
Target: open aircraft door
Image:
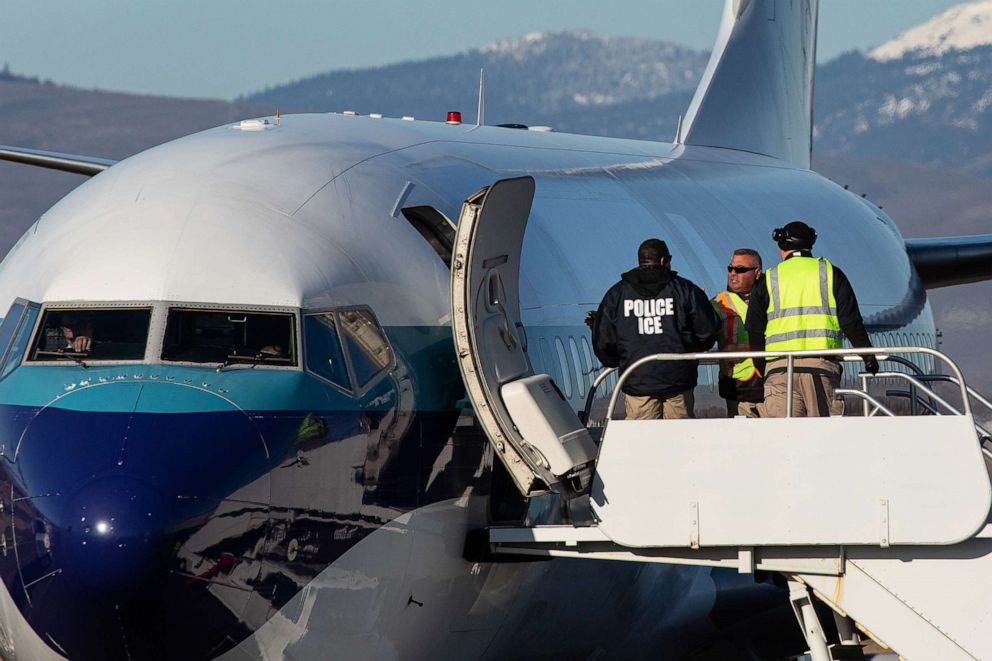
<point>533,429</point>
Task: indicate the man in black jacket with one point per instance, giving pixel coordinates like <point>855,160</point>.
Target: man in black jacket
<point>653,310</point>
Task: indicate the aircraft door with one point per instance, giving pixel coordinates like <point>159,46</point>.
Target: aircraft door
<point>533,429</point>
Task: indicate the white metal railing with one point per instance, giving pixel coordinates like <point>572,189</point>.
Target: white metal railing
<point>593,387</point>
<point>868,399</point>
<point>934,399</point>
<point>977,396</point>
<point>790,357</point>
<point>917,385</point>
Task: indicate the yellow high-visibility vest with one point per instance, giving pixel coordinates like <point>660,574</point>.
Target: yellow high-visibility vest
<point>732,311</point>
<point>802,311</point>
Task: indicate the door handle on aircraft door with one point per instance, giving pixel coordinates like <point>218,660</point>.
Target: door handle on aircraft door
<point>494,303</point>
<point>504,331</point>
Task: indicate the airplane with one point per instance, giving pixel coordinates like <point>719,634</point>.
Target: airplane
<point>233,419</point>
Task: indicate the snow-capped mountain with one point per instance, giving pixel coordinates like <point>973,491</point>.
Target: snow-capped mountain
<point>535,79</point>
<point>930,109</point>
<point>933,109</point>
<point>961,27</point>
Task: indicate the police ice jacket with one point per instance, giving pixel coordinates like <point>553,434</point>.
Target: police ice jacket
<point>654,310</point>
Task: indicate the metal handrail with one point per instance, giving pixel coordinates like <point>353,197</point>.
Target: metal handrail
<point>587,411</point>
<point>790,356</point>
<point>916,370</point>
<point>933,396</point>
<point>868,398</point>
<point>950,379</point>
<point>905,363</point>
<point>919,384</point>
<point>902,393</point>
<point>919,400</point>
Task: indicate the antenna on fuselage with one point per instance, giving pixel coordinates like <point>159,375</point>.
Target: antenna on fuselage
<point>480,115</point>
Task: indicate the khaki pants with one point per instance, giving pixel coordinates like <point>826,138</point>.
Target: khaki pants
<point>746,409</point>
<point>813,385</point>
<point>655,407</point>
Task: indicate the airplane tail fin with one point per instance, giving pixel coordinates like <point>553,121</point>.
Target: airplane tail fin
<point>757,92</point>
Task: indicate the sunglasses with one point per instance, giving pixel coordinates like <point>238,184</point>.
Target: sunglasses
<point>741,269</point>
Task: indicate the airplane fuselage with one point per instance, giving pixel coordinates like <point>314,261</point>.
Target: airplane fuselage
<point>169,506</point>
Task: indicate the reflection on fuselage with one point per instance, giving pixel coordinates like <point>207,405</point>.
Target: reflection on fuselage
<point>191,503</point>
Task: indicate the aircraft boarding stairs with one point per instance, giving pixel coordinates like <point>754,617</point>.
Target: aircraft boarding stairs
<point>883,517</point>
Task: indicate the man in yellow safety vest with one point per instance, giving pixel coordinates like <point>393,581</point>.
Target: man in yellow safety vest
<point>804,303</point>
<point>740,384</point>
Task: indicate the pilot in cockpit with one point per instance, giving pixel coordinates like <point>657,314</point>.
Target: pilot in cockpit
<point>271,351</point>
<point>76,335</point>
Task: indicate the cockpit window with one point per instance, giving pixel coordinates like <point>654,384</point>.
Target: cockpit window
<point>9,325</point>
<point>323,348</point>
<point>19,323</point>
<point>230,337</point>
<point>331,335</point>
<point>366,344</point>
<point>92,334</point>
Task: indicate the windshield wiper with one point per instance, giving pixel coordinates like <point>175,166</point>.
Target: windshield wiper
<point>71,355</point>
<point>253,361</point>
<point>235,360</point>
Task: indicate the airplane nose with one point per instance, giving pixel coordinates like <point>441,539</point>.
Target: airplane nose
<point>112,540</point>
<point>137,529</point>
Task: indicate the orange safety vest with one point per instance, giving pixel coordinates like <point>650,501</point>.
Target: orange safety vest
<point>732,311</point>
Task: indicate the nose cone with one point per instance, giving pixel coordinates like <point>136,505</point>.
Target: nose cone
<point>137,527</point>
<point>111,536</point>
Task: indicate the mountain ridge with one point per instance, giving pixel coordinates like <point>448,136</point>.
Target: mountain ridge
<point>961,27</point>
<point>923,108</point>
<point>531,79</point>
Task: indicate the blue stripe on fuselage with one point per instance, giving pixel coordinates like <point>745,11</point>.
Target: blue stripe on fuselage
<point>424,356</point>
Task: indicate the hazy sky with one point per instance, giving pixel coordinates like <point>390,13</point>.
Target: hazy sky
<point>223,48</point>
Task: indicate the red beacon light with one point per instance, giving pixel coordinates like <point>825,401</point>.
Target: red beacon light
<point>454,117</point>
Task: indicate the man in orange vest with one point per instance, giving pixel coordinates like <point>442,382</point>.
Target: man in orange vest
<point>740,383</point>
